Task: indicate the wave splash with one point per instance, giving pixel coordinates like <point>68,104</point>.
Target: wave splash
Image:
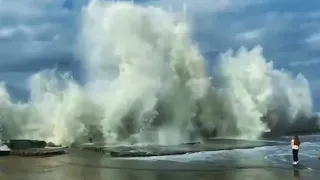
<point>146,83</point>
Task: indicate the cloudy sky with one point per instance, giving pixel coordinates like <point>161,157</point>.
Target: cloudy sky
<point>41,34</point>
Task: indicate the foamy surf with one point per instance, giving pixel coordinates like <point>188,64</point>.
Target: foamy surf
<point>4,148</point>
<point>146,83</point>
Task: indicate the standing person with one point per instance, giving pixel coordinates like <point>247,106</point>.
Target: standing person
<point>295,144</point>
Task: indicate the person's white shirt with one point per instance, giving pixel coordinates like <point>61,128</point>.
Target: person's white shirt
<point>296,147</point>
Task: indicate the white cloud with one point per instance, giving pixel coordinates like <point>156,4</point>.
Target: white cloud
<point>27,9</point>
<point>6,32</point>
<point>305,63</point>
<point>250,35</point>
<point>28,27</point>
<point>11,31</point>
<point>203,6</point>
<point>314,14</point>
<point>314,40</point>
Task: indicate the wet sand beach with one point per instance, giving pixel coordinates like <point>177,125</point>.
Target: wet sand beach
<point>53,168</point>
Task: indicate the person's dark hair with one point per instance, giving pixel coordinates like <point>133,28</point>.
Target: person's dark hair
<point>296,140</point>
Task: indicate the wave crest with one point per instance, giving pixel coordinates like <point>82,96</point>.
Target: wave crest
<point>147,83</point>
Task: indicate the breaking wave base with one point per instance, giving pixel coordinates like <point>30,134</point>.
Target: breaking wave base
<point>146,83</point>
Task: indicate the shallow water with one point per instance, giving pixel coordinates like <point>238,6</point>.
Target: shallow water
<point>268,162</point>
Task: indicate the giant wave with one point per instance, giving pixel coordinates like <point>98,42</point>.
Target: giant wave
<point>147,83</point>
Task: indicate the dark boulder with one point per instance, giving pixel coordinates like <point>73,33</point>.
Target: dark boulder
<point>18,144</point>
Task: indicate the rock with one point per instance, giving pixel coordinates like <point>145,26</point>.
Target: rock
<point>51,144</point>
<point>18,144</point>
<point>39,152</point>
<point>4,150</point>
